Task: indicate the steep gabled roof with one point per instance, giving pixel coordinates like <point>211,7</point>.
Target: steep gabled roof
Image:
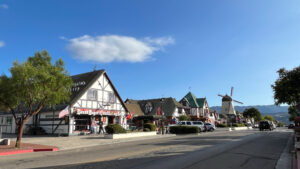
<point>82,82</point>
<point>191,99</point>
<point>168,105</point>
<point>134,108</point>
<point>201,101</point>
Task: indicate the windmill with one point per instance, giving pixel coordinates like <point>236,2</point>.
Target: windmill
<point>227,105</point>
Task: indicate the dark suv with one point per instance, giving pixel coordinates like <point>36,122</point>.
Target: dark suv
<point>265,125</point>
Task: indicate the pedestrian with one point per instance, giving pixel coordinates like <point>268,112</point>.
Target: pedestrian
<point>93,126</point>
<point>101,129</point>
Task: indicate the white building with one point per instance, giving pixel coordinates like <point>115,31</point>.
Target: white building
<point>94,98</point>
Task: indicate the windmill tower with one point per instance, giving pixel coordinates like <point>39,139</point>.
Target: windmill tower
<point>227,105</point>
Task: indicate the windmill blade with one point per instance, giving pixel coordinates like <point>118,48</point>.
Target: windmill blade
<point>220,95</point>
<point>231,92</point>
<point>238,101</point>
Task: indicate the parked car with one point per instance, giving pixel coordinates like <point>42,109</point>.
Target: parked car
<point>291,126</point>
<point>199,124</point>
<point>209,127</point>
<point>265,125</point>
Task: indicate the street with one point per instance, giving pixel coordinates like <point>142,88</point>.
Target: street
<point>237,149</point>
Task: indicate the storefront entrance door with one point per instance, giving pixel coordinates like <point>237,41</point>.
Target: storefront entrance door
<point>82,122</point>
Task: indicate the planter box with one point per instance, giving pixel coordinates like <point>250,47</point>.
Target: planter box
<point>241,128</point>
<point>223,129</point>
<point>129,135</point>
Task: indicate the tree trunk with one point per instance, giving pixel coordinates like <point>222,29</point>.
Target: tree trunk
<point>20,134</point>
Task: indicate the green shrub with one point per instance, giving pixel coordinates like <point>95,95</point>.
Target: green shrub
<point>184,118</point>
<point>147,129</point>
<point>32,130</point>
<point>184,129</point>
<point>221,125</point>
<point>238,125</point>
<point>114,129</point>
<point>280,124</point>
<point>150,126</point>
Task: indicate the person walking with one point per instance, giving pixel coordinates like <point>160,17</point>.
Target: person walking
<point>101,129</point>
<point>93,126</point>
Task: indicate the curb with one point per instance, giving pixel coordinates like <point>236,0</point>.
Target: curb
<point>27,151</point>
<point>16,152</point>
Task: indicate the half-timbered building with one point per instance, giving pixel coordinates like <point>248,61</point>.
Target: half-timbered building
<point>94,98</point>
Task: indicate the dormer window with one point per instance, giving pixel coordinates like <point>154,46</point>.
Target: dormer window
<point>148,108</point>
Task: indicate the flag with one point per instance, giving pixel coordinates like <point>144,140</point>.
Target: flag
<point>158,111</point>
<point>64,112</point>
<point>129,116</point>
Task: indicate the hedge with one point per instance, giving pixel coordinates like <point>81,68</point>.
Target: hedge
<point>221,125</point>
<point>149,126</point>
<point>114,129</point>
<point>238,125</point>
<point>184,129</point>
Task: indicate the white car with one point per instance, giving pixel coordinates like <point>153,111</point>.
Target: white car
<point>209,127</point>
<point>199,124</point>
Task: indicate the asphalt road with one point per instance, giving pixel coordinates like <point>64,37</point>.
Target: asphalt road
<point>237,149</point>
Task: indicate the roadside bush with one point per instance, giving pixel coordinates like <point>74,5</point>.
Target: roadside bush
<point>114,129</point>
<point>184,118</point>
<point>146,130</point>
<point>280,124</point>
<point>149,126</point>
<point>184,129</point>
<point>238,125</point>
<point>32,130</point>
<point>221,125</point>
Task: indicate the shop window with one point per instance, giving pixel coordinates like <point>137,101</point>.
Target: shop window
<point>92,94</point>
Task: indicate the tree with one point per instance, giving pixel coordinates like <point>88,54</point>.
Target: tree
<point>286,88</point>
<point>269,117</point>
<point>293,113</point>
<point>253,113</point>
<point>34,84</point>
<point>184,118</point>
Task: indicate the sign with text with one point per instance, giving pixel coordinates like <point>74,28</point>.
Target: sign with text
<point>97,112</point>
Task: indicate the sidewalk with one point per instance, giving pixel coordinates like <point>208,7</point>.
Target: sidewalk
<point>73,142</point>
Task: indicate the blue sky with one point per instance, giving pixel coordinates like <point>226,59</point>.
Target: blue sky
<point>161,48</point>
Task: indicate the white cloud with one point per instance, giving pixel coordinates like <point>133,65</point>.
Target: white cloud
<point>2,44</point>
<point>4,6</point>
<point>110,48</point>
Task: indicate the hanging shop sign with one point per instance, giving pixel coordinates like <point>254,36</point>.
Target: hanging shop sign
<point>97,112</point>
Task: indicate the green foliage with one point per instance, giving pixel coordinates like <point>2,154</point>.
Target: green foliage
<point>280,124</point>
<point>253,113</point>
<point>146,130</point>
<point>221,125</point>
<point>34,84</point>
<point>184,129</point>
<point>184,118</point>
<point>114,129</point>
<point>150,126</point>
<point>238,125</point>
<point>269,117</point>
<point>293,113</point>
<point>286,88</point>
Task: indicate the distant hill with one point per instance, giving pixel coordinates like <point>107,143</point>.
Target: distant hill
<point>280,113</point>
